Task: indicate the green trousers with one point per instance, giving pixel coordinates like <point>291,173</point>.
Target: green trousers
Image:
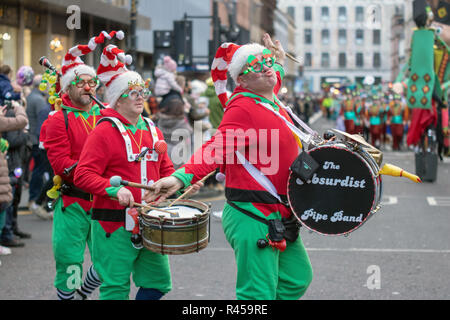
<point>71,233</point>
<point>264,274</point>
<point>115,259</point>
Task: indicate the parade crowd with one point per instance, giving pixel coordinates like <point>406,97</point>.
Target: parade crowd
<point>175,103</point>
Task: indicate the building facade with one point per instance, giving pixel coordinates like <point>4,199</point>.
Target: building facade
<point>30,29</point>
<point>343,41</point>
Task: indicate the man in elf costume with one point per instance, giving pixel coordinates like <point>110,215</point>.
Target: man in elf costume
<point>65,133</point>
<point>127,145</point>
<point>251,209</point>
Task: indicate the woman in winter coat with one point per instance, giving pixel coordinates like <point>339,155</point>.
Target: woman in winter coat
<point>9,124</point>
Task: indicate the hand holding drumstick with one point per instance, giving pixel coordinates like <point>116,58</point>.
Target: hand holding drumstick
<point>167,186</point>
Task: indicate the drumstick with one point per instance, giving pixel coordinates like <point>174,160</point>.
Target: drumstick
<point>116,181</point>
<point>288,55</point>
<point>190,188</point>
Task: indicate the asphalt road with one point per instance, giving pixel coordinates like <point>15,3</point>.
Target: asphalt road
<point>403,252</point>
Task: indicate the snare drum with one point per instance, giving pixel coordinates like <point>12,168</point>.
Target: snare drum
<point>342,194</point>
<point>184,231</point>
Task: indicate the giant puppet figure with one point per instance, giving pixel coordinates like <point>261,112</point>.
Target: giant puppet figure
<point>428,77</point>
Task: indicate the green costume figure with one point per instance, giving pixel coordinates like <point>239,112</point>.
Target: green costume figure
<point>425,95</point>
<point>428,72</point>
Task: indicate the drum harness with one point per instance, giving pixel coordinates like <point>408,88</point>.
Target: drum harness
<point>285,229</point>
<point>132,157</point>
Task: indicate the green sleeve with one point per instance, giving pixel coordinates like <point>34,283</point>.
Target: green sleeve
<point>112,191</point>
<point>186,178</point>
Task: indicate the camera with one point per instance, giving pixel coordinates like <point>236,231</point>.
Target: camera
<point>8,104</point>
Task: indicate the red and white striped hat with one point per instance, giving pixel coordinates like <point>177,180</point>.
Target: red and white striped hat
<point>230,58</point>
<point>113,73</point>
<point>72,64</point>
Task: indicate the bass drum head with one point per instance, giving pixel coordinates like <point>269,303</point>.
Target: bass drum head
<point>339,197</point>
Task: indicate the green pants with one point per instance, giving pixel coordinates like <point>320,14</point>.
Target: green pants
<point>71,233</point>
<point>265,274</point>
<point>115,259</point>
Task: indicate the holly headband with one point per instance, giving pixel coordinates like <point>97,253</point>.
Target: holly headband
<point>131,92</point>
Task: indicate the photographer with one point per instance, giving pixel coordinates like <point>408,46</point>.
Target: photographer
<point>17,122</point>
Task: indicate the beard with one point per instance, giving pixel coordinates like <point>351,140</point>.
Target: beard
<point>80,98</point>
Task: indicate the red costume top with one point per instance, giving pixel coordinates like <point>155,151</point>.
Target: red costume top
<point>105,155</point>
<point>263,138</point>
<point>65,138</point>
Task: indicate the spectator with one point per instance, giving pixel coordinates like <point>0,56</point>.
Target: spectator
<point>36,104</point>
<point>8,90</point>
<point>215,107</point>
<point>171,119</point>
<point>19,121</point>
<point>166,84</point>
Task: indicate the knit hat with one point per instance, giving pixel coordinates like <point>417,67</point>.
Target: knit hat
<point>169,64</point>
<point>113,73</point>
<point>232,58</point>
<point>72,65</point>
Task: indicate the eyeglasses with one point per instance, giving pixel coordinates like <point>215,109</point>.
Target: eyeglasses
<point>134,94</point>
<point>81,83</point>
<point>256,65</point>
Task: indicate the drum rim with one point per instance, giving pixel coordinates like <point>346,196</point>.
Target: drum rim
<point>374,180</point>
<point>173,246</point>
<point>203,207</point>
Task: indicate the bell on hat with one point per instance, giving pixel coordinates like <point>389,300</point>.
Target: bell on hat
<point>113,73</point>
<point>72,65</point>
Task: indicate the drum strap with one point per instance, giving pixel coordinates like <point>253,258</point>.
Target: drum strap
<point>248,213</point>
<point>291,226</point>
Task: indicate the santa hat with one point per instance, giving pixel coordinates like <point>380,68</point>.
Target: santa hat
<point>72,65</point>
<point>232,58</point>
<point>113,73</point>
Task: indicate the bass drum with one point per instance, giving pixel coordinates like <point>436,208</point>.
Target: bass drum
<point>341,195</point>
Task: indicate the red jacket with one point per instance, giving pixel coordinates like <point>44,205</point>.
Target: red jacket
<point>64,141</point>
<point>274,157</point>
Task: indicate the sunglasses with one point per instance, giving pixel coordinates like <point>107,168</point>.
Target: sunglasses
<point>134,94</point>
<point>257,66</point>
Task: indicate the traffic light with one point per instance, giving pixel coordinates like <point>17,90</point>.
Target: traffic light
<point>183,42</point>
<point>162,45</point>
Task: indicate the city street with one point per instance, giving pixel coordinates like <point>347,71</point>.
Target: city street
<point>403,252</point>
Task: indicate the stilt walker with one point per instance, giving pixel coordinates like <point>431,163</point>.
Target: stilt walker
<point>428,73</point>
